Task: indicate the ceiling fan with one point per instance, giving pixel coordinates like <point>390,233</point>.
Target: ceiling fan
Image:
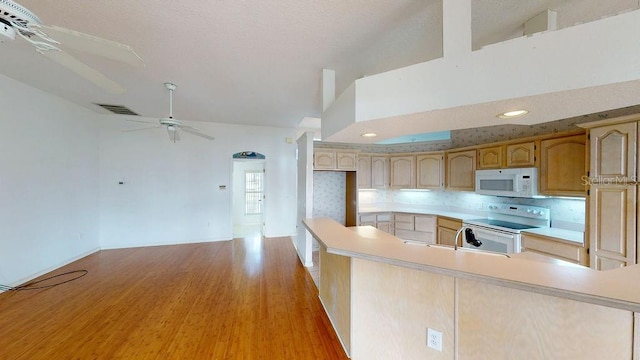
<point>15,19</point>
<point>173,126</point>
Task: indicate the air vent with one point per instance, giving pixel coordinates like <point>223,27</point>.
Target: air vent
<point>118,109</point>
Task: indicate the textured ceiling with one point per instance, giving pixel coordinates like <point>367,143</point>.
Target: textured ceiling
<point>259,62</point>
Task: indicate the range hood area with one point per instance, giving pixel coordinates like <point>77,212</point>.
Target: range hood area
<point>555,74</point>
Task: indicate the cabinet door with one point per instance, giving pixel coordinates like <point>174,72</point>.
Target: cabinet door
<point>562,166</point>
<point>574,253</point>
<point>613,153</point>
<point>446,236</point>
<point>612,226</point>
<point>461,168</point>
<point>324,160</point>
<point>521,155</point>
<point>430,171</point>
<point>364,172</point>
<point>379,172</point>
<point>402,172</point>
<point>490,158</point>
<point>384,226</point>
<point>346,161</point>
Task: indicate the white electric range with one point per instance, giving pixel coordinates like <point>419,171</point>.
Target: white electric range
<point>500,231</point>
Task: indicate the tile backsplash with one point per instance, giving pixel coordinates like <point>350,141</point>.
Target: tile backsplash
<point>565,213</point>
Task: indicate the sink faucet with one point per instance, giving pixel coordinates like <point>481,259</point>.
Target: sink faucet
<point>455,239</point>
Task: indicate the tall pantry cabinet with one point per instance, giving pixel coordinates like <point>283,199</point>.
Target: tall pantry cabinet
<point>613,192</point>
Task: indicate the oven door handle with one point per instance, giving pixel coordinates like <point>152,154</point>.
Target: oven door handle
<point>489,234</point>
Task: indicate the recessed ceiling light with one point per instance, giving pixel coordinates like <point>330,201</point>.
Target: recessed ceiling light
<point>369,134</point>
<point>512,114</point>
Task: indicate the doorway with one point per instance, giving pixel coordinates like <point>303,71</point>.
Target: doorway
<point>248,205</point>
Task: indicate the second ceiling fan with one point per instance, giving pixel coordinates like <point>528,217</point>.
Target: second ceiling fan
<point>173,126</point>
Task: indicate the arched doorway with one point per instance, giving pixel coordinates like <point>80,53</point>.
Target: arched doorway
<point>248,205</point>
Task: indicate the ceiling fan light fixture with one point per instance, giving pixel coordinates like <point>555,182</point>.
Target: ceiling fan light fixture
<point>513,114</point>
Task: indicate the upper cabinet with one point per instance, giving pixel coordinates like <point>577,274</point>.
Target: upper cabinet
<point>461,166</point>
<point>507,155</point>
<point>521,154</point>
<point>430,171</point>
<point>402,172</point>
<point>330,159</point>
<point>562,166</point>
<point>379,172</point>
<point>364,171</point>
<point>373,171</point>
<point>613,153</point>
<point>490,157</point>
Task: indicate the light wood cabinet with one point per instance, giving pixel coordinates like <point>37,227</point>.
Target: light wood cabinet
<point>612,226</point>
<point>346,161</point>
<point>379,172</point>
<point>402,172</point>
<point>490,157</point>
<point>562,250</point>
<point>447,228</point>
<point>562,166</point>
<point>373,171</point>
<point>430,171</point>
<point>612,216</point>
<point>332,159</point>
<point>382,221</point>
<point>521,154</point>
<point>324,160</point>
<point>461,166</point>
<point>614,153</point>
<point>415,228</point>
<point>364,171</point>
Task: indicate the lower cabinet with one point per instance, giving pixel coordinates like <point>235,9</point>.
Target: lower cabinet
<point>612,225</point>
<point>574,253</point>
<point>415,228</point>
<point>447,228</point>
<point>382,221</point>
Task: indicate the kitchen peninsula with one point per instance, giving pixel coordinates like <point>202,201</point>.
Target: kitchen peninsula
<point>382,294</point>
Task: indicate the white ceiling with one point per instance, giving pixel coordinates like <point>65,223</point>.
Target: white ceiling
<point>259,62</point>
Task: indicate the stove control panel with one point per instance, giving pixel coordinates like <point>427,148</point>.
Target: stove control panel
<point>529,211</point>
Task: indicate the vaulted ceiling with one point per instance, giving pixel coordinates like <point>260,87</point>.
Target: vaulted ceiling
<point>259,62</point>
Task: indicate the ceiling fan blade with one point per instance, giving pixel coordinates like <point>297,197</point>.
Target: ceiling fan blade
<point>94,45</point>
<point>144,128</point>
<point>196,132</point>
<point>173,134</point>
<point>143,121</point>
<point>85,71</point>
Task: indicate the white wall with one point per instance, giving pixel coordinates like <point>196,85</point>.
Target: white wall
<point>48,182</point>
<point>171,190</point>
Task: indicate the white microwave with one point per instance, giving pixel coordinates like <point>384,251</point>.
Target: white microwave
<point>521,182</point>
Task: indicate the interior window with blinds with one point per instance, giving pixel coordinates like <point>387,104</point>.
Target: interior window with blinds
<point>253,192</point>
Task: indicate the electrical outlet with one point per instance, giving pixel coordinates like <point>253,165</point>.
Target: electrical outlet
<point>434,339</point>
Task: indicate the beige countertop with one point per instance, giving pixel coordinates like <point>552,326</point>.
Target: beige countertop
<point>417,209</point>
<point>558,234</point>
<point>614,288</point>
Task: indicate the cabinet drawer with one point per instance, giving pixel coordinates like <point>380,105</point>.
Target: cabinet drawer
<point>572,253</point>
<point>404,225</point>
<point>368,218</point>
<point>449,223</point>
<point>404,218</point>
<point>383,217</point>
<point>425,223</point>
<point>427,237</point>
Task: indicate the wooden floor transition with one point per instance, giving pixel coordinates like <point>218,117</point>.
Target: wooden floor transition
<point>249,298</point>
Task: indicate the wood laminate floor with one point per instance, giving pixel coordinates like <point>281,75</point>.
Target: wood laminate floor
<point>249,298</point>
